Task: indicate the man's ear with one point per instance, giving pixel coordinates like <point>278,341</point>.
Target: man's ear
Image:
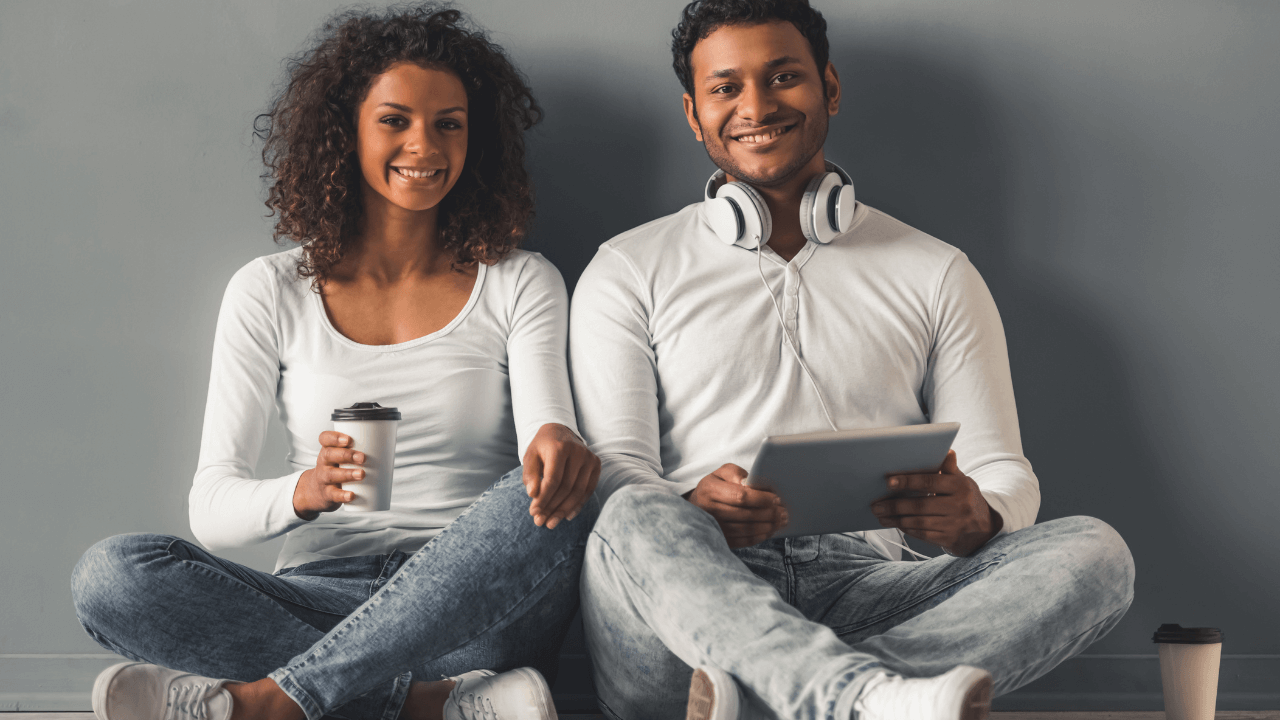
<point>832,80</point>
<point>691,114</point>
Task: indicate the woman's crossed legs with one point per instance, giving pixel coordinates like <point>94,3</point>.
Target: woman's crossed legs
<point>491,591</point>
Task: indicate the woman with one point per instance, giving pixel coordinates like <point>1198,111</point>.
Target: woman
<point>397,157</point>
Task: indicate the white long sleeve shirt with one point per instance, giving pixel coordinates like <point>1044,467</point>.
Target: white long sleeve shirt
<point>679,362</point>
<point>472,395</point>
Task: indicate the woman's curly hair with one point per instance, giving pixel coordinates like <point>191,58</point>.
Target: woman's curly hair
<point>309,135</point>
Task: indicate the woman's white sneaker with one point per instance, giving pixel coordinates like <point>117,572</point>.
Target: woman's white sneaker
<point>520,694</point>
<point>139,691</point>
<point>964,693</point>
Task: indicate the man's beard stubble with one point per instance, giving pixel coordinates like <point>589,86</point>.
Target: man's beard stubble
<point>722,159</point>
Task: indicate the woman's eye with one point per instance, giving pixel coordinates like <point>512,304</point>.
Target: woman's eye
<point>450,125</point>
<point>392,120</point>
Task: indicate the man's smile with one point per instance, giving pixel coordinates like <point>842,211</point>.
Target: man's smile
<point>759,137</point>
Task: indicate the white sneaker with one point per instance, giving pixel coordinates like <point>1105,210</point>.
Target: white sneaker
<point>964,693</point>
<point>713,695</point>
<point>139,691</point>
<point>519,694</point>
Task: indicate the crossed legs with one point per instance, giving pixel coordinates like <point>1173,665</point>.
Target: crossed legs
<point>492,585</point>
<point>802,623</point>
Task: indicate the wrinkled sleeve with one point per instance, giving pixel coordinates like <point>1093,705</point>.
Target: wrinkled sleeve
<point>614,373</point>
<point>968,382</point>
<point>228,506</point>
<point>536,346</point>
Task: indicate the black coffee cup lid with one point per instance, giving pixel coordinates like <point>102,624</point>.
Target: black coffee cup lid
<point>365,411</point>
<point>1178,635</point>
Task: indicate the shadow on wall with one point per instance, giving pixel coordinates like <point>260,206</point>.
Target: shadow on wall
<point>922,144</point>
<point>594,173</point>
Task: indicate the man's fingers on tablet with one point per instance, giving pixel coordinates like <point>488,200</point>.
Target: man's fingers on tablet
<point>928,523</point>
<point>936,505</point>
<point>937,537</point>
<point>730,473</point>
<point>737,513</point>
<point>741,496</point>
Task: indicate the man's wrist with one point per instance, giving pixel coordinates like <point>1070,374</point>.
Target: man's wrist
<point>997,522</point>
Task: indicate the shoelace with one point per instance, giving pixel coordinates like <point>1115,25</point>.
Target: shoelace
<point>187,702</point>
<point>472,707</point>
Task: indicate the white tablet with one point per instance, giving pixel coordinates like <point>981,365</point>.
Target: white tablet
<point>829,480</point>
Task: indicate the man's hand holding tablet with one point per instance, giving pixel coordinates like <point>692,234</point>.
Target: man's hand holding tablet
<point>746,515</point>
<point>950,511</point>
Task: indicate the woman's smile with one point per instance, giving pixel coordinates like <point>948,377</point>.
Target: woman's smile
<point>410,174</point>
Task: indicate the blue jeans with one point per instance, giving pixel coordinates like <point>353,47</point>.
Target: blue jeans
<point>344,637</point>
<point>802,623</point>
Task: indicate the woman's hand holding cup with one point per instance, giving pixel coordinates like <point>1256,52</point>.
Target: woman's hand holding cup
<point>320,488</point>
<point>560,474</point>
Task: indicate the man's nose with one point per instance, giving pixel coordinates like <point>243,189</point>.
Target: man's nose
<point>756,103</point>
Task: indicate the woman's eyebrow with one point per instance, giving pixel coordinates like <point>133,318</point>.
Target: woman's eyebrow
<point>455,108</point>
<point>397,106</point>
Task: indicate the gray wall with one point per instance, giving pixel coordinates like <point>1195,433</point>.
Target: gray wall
<point>1111,168</point>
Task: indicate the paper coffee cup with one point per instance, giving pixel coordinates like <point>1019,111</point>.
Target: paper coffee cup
<point>372,429</point>
<point>1189,659</point>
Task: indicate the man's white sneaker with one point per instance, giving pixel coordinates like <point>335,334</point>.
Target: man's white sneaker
<point>520,694</point>
<point>964,693</point>
<point>715,695</point>
<point>139,691</point>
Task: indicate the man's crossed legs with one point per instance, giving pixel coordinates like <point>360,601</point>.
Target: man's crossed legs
<point>804,623</point>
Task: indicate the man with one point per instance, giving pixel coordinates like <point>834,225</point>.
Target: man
<point>689,344</point>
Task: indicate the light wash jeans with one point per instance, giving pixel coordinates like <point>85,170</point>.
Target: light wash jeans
<point>344,637</point>
<point>802,623</point>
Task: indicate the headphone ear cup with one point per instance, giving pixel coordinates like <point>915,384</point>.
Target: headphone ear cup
<point>725,219</point>
<point>808,202</point>
<point>842,207</point>
<point>756,223</point>
<point>816,218</point>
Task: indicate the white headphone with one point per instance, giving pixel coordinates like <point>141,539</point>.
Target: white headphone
<point>739,216</point>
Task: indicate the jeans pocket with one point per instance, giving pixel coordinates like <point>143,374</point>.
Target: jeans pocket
<point>803,549</point>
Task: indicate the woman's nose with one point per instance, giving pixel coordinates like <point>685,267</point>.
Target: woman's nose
<point>420,141</point>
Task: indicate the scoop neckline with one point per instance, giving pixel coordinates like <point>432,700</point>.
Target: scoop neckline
<point>318,303</point>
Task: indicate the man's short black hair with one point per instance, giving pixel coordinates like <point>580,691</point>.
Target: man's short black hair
<point>703,17</point>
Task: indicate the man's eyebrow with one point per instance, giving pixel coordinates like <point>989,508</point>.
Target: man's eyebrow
<point>784,60</point>
<point>776,62</point>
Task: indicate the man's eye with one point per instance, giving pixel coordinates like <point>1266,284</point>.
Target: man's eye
<point>784,77</point>
<point>722,90</point>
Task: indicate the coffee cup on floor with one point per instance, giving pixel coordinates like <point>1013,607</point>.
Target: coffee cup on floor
<point>1189,659</point>
<point>372,429</point>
